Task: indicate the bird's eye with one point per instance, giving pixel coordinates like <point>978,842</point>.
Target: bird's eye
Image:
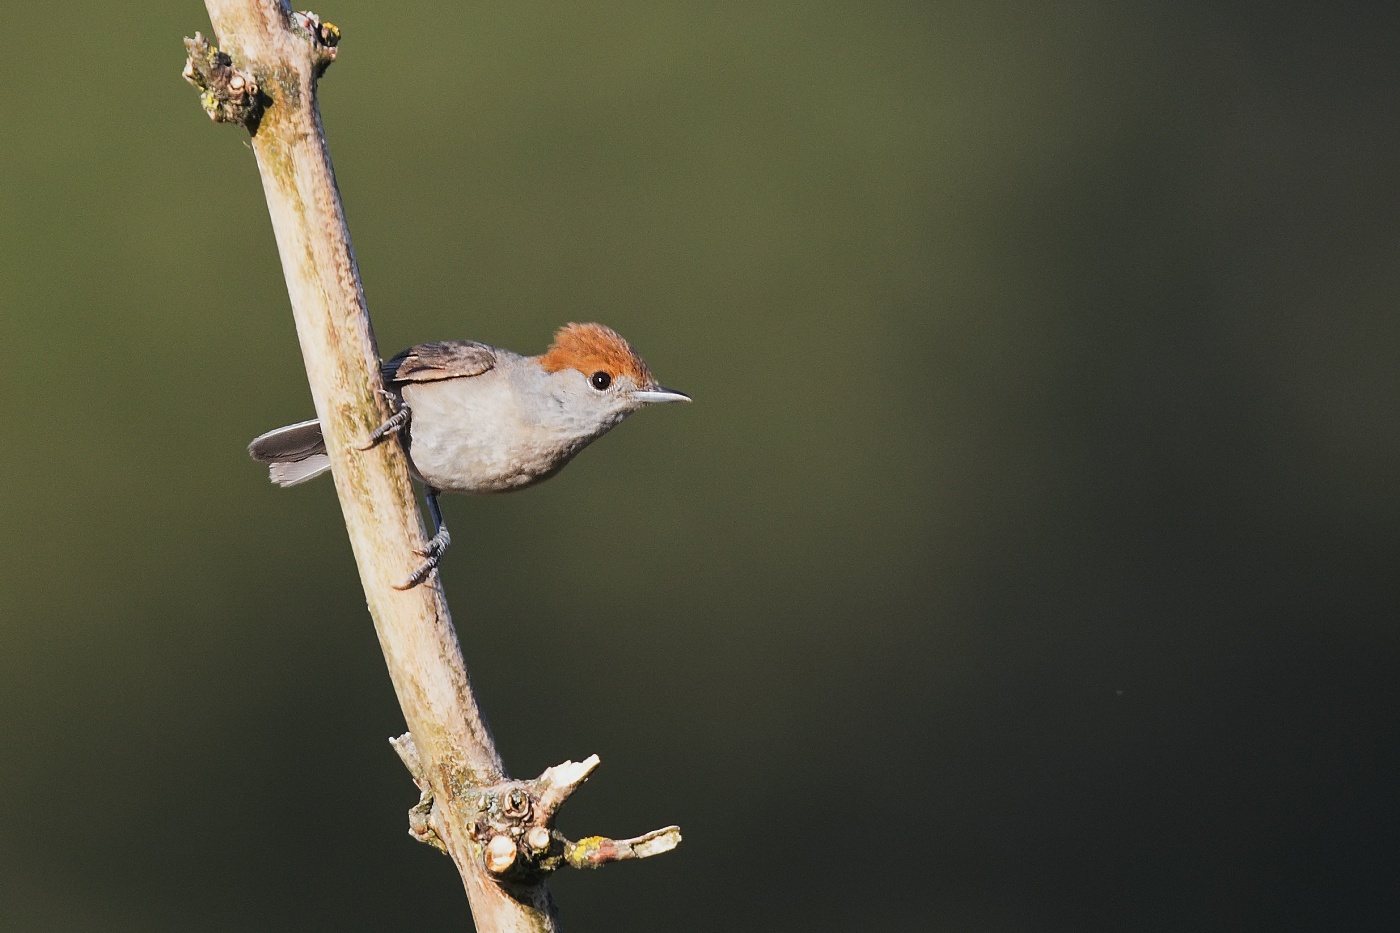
<point>600,380</point>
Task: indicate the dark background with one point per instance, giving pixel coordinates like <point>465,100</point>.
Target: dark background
<point>1026,562</point>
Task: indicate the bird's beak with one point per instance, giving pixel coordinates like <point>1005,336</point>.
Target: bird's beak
<point>656,394</point>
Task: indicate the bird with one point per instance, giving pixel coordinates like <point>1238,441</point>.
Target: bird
<point>474,418</point>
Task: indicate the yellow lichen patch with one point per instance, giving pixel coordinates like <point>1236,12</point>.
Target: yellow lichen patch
<point>591,852</point>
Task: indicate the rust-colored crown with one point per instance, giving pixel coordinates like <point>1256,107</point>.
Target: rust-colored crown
<point>592,348</point>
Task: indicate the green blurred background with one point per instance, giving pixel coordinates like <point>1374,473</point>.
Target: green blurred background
<point>1021,566</point>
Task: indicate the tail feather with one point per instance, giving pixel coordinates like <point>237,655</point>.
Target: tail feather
<point>294,442</point>
<point>299,471</point>
<point>296,452</point>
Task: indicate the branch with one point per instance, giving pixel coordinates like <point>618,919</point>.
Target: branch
<point>264,78</point>
<point>514,822</point>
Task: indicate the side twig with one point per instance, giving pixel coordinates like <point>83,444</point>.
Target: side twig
<point>498,831</point>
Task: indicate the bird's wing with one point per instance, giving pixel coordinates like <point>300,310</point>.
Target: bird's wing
<point>448,359</point>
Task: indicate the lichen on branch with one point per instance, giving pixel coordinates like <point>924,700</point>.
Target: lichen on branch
<point>226,94</point>
<point>511,823</point>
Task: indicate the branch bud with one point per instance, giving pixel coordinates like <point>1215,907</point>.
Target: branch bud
<point>226,94</point>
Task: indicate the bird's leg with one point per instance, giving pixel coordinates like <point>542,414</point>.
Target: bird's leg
<point>397,421</point>
<point>437,544</point>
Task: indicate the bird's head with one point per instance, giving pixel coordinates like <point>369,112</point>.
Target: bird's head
<point>599,377</point>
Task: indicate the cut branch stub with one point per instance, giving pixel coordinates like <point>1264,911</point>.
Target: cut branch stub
<point>512,822</point>
<point>325,37</point>
<point>421,814</point>
<point>226,94</point>
<point>558,783</point>
<point>407,751</point>
<point>597,851</point>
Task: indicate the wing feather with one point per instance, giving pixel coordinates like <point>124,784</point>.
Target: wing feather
<point>447,359</point>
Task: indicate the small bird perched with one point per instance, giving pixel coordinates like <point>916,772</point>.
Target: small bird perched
<point>480,419</point>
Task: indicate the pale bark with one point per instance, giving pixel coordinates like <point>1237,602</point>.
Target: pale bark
<point>469,807</point>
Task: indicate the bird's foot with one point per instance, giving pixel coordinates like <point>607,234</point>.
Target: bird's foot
<point>396,423</point>
<point>432,556</point>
